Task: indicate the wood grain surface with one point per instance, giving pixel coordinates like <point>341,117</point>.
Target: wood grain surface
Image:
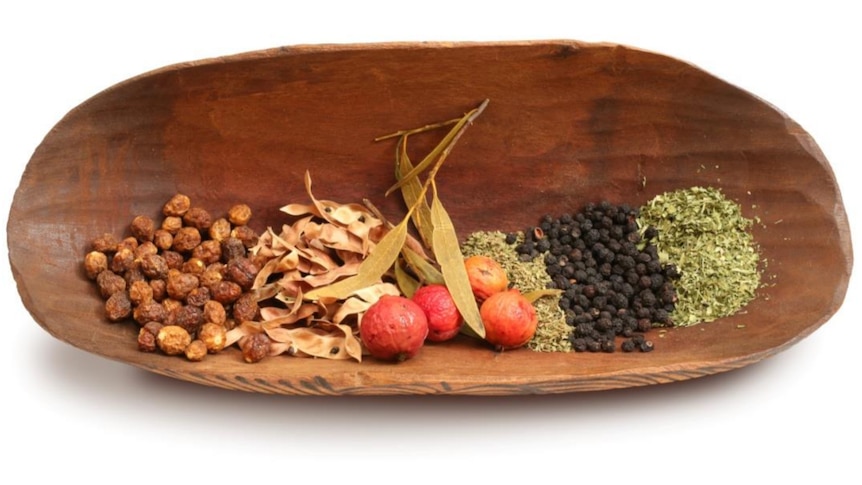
<point>568,123</point>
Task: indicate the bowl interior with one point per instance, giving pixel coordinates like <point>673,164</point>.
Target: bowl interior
<point>567,123</point>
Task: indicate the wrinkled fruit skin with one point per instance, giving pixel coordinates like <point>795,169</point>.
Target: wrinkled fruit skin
<point>510,319</point>
<point>486,276</point>
<point>444,319</point>
<point>394,328</point>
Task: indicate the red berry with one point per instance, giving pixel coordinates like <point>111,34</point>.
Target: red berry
<point>444,319</point>
<point>393,328</point>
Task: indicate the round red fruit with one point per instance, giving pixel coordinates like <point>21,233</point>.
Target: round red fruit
<point>394,328</point>
<point>444,319</point>
<point>510,319</point>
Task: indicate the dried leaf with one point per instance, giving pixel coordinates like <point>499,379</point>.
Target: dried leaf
<point>412,193</point>
<point>372,268</point>
<point>534,295</point>
<point>427,272</point>
<point>451,261</point>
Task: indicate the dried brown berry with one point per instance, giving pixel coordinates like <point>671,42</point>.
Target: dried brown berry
<point>173,339</point>
<point>198,218</point>
<point>163,239</point>
<point>174,259</point>
<point>128,243</point>
<point>220,229</point>
<point>214,312</point>
<point>242,272</point>
<point>255,347</point>
<point>198,296</point>
<point>94,263</point>
<point>226,292</point>
<point>196,351</point>
<point>150,311</point>
<point>147,337</point>
<point>143,228</point>
<point>212,275</point>
<point>118,306</point>
<point>145,248</point>
<point>106,243</point>
<point>140,292</point>
<point>110,283</point>
<point>134,274</point>
<point>160,290</point>
<point>208,251</point>
<point>123,260</point>
<point>178,205</point>
<point>186,239</point>
<point>214,336</point>
<point>247,235</point>
<point>232,248</point>
<point>154,266</point>
<point>190,318</point>
<point>245,308</point>
<point>239,215</point>
<point>193,266</point>
<point>172,224</point>
<point>179,285</point>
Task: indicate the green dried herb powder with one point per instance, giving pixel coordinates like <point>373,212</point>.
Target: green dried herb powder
<point>706,236</point>
<point>552,334</point>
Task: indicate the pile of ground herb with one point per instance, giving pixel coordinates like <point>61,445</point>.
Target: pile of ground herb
<point>709,240</point>
<point>552,334</point>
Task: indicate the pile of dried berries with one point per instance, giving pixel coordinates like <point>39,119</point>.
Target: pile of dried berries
<point>184,280</point>
<point>612,280</point>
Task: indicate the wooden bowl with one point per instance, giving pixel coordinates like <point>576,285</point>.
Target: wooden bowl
<point>568,123</point>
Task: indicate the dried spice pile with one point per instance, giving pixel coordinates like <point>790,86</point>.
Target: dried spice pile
<point>706,236</point>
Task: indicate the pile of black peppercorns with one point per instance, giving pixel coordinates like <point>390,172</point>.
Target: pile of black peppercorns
<point>612,280</point>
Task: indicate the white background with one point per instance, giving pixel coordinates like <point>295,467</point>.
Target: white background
<point>68,414</point>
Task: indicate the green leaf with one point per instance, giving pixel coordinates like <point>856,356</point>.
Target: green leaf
<point>406,283</point>
<point>451,261</point>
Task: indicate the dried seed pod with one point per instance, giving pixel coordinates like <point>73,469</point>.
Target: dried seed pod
<point>143,228</point>
<point>196,351</point>
<point>94,263</point>
<point>214,336</point>
<point>178,205</point>
<point>110,283</point>
<point>118,306</point>
<point>173,339</point>
<point>186,239</point>
<point>239,215</point>
<point>220,229</point>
